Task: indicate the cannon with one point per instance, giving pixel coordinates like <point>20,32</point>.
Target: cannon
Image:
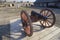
<point>46,17</point>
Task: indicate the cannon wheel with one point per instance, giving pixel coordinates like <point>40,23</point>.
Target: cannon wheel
<point>50,21</point>
<point>28,29</point>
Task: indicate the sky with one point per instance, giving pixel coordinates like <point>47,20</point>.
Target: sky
<point>21,0</point>
<point>27,0</point>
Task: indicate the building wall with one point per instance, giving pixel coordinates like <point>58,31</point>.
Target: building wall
<point>45,0</point>
<point>46,3</point>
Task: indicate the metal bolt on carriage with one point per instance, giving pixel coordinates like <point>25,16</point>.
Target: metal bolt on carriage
<point>46,17</point>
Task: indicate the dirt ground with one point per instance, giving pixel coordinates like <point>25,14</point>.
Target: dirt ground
<point>7,13</point>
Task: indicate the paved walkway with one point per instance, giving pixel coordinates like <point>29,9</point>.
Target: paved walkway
<point>17,32</point>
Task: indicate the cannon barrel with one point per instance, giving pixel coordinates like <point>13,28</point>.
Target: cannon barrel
<point>34,13</point>
<point>38,15</point>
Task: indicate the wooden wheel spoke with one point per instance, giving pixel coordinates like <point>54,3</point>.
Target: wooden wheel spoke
<point>49,22</point>
<point>45,23</point>
<point>44,13</point>
<point>49,18</point>
<point>41,22</point>
<point>49,15</point>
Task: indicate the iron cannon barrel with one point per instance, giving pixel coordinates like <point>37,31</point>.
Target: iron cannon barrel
<point>33,13</point>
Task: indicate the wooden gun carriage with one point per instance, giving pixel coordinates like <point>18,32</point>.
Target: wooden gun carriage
<point>46,18</point>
